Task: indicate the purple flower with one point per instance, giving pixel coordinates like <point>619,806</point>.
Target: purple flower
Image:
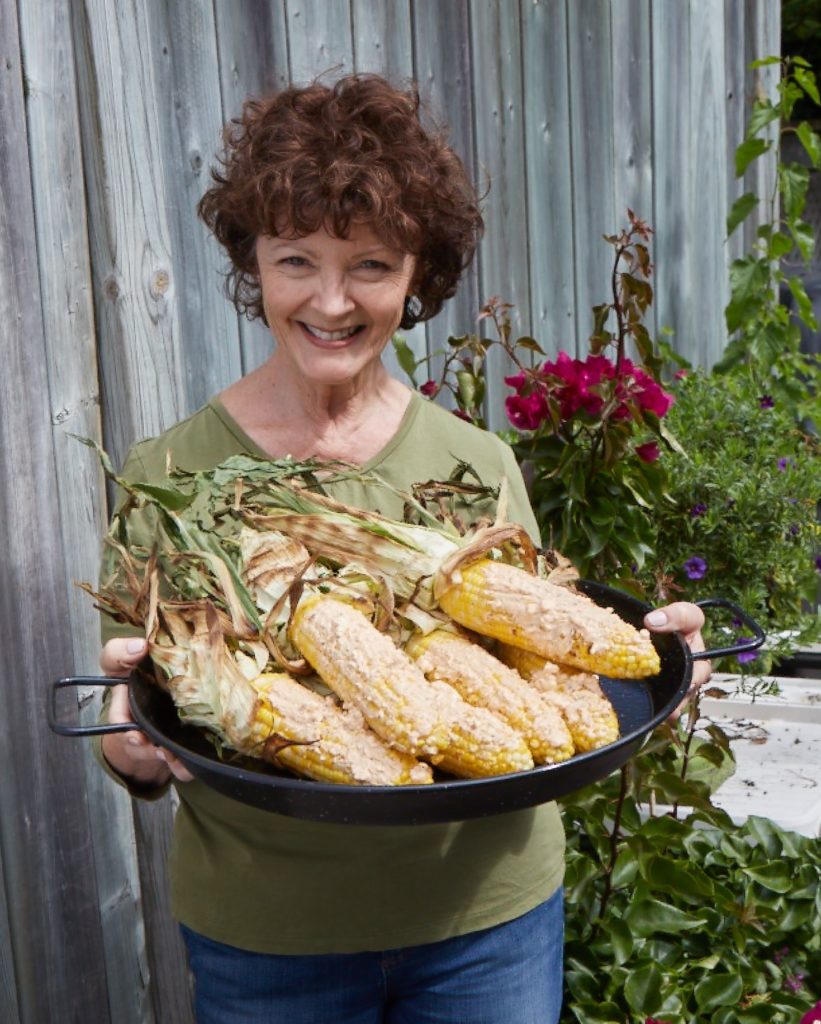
<point>818,562</point>
<point>695,567</point>
<point>698,510</point>
<point>784,463</point>
<point>794,982</point>
<point>766,402</point>
<point>794,529</point>
<point>746,656</point>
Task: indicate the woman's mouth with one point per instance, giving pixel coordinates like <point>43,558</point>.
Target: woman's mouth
<point>331,337</point>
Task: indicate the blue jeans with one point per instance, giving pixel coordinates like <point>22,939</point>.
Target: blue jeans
<point>512,972</point>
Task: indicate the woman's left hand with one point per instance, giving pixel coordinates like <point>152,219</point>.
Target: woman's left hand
<point>687,619</point>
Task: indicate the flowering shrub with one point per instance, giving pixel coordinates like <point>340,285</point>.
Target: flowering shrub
<point>588,432</point>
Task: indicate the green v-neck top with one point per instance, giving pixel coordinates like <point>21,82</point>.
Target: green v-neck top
<point>275,884</point>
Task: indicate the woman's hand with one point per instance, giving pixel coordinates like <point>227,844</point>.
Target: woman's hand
<point>687,619</point>
<point>131,754</point>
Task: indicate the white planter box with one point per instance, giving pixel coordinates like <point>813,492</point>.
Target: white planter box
<point>777,746</point>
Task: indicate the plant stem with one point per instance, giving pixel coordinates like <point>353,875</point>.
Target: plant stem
<point>615,836</point>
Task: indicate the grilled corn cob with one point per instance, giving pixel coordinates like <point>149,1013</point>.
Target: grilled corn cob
<point>365,668</point>
<point>479,743</point>
<point>590,716</point>
<point>327,743</point>
<point>483,681</point>
<point>509,604</point>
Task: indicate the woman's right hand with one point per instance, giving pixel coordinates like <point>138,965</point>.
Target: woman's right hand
<point>132,754</point>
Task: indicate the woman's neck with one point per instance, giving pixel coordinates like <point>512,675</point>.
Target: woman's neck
<point>287,415</point>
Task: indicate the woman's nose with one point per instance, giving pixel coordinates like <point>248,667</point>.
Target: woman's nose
<point>332,297</point>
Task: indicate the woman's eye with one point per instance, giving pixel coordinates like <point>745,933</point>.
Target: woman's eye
<point>294,261</point>
<point>373,265</point>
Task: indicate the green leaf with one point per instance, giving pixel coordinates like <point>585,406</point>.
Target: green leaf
<point>747,152</point>
<point>741,209</point>
<point>804,238</point>
<point>642,990</point>
<point>803,302</point>
<point>780,245</point>
<point>718,990</point>
<point>764,62</point>
<point>648,916</point>
<point>763,113</point>
<point>530,345</point>
<point>748,278</point>
<point>811,141</point>
<point>405,357</point>
<point>467,389</point>
<point>806,79</point>
<point>793,181</point>
<point>168,497</point>
<point>774,876</point>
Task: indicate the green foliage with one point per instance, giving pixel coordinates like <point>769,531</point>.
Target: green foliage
<point>743,500</point>
<point>682,916</point>
<point>764,333</point>
<point>589,432</point>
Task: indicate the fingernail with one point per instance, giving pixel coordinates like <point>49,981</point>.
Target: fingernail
<point>135,645</point>
<point>134,741</point>
<point>657,618</point>
<point>161,755</point>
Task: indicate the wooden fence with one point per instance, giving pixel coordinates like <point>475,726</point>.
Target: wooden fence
<point>113,325</point>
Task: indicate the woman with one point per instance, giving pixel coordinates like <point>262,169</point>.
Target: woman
<point>343,220</point>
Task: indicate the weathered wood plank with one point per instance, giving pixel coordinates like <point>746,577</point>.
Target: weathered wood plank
<point>672,216</point>
<point>383,45</point>
<point>591,117</point>
<point>442,67</point>
<point>142,353</point>
<point>48,869</point>
<point>549,176</point>
<point>252,45</point>
<point>633,119</point>
<point>319,39</point>
<point>135,288</point>
<point>181,41</point>
<point>500,149</point>
<point>68,316</point>
<point>707,178</point>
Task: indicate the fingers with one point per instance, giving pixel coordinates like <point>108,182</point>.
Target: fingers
<point>678,617</point>
<point>122,655</point>
<point>177,768</point>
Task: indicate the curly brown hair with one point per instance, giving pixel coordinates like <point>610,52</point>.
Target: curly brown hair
<point>328,156</point>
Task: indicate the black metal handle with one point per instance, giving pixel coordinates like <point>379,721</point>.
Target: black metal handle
<point>759,636</point>
<point>63,728</point>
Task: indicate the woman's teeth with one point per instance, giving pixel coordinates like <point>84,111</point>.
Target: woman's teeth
<point>346,332</point>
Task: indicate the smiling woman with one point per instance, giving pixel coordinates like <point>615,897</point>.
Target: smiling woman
<point>344,218</point>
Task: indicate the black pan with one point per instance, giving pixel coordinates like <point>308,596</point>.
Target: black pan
<point>640,705</point>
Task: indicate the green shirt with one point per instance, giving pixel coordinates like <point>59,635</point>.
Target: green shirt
<point>276,884</point>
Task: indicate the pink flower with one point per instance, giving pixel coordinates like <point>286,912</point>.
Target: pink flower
<point>812,1016</point>
<point>518,381</point>
<point>526,412</point>
<point>429,388</point>
<point>650,396</point>
<point>680,374</point>
<point>648,452</point>
<point>577,378</point>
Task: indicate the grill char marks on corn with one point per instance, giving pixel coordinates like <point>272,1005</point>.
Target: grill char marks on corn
<point>485,682</point>
<point>328,744</point>
<point>590,716</point>
<point>367,671</point>
<point>509,604</point>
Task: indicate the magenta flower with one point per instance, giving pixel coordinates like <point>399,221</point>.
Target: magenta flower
<point>695,567</point>
<point>648,452</point>
<point>680,374</point>
<point>575,378</point>
<point>429,388</point>
<point>812,1016</point>
<point>462,415</point>
<point>526,412</point>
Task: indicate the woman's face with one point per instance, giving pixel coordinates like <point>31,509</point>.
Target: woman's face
<point>332,303</point>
